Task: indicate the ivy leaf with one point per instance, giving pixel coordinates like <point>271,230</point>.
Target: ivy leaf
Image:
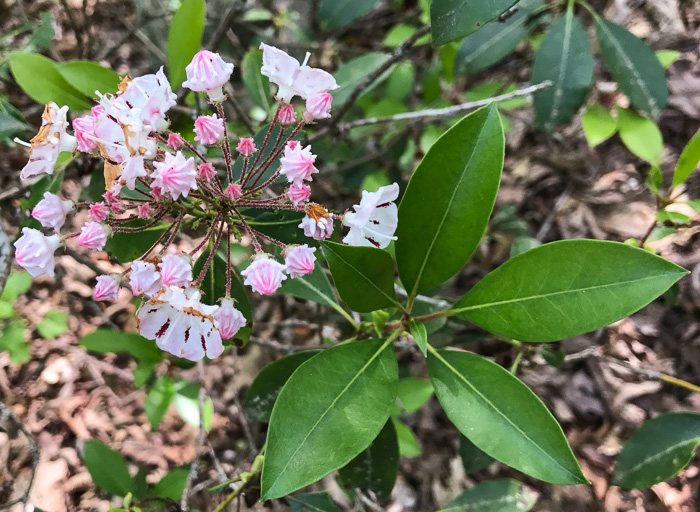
<point>452,19</point>
<point>499,495</point>
<point>108,469</point>
<point>184,38</point>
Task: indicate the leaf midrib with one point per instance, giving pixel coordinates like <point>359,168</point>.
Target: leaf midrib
<point>657,455</point>
<point>559,90</point>
<point>372,283</point>
<point>501,35</point>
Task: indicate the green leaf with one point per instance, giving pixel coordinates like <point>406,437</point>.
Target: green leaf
<point>376,468</point>
<point>399,33</point>
<point>675,218</point>
<point>126,246</point>
<point>12,339</point>
<point>258,87</point>
<point>398,87</point>
<point>633,65</point>
<point>658,450</point>
<point>10,125</point>
<point>408,444</point>
<point>184,38</point>
<point>108,469</point>
<point>473,459</point>
<point>139,485</point>
<point>413,393</point>
<point>447,204</point>
<point>565,58</point>
<point>688,161</point>
<point>312,502</point>
<point>667,57</point>
<point>53,324</point>
<point>18,283</point>
<point>364,276</point>
<point>267,385</point>
<point>566,288</point>
<point>499,495</point>
<point>107,341</point>
<point>172,485</point>
<point>641,135</point>
<point>315,286</point>
<point>88,77</point>
<point>158,400</point>
<point>187,402</point>
<point>522,244</point>
<point>598,125</point>
<point>420,335</point>
<point>333,14</point>
<point>350,74</point>
<point>502,417</point>
<point>496,40</point>
<point>330,410</point>
<point>40,78</point>
<point>452,19</point>
<point>6,310</point>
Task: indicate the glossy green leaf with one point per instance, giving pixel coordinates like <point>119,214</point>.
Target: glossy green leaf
<point>408,444</point>
<point>502,417</point>
<point>640,135</point>
<point>258,86</point>
<point>598,125</point>
<point>675,218</point>
<point>350,74</point>
<point>315,286</point>
<point>332,14</point>
<point>452,19</point>
<point>499,495</point>
<point>13,340</point>
<point>662,447</point>
<point>364,276</point>
<point>108,469</point>
<point>312,502</point>
<point>376,468</point>
<point>522,244</point>
<point>420,335</point>
<point>566,288</point>
<point>158,399</point>
<point>184,38</point>
<point>473,459</point>
<point>688,161</point>
<point>126,247</point>
<point>172,485</point>
<point>633,65</point>
<point>88,77</point>
<point>565,58</point>
<point>53,324</point>
<point>107,341</point>
<point>329,410</point>
<point>267,385</point>
<point>413,393</point>
<point>448,201</point>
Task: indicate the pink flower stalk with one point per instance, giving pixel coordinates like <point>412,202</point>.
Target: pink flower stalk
<point>299,260</point>
<point>84,128</point>
<point>246,147</point>
<point>93,236</point>
<point>144,280</point>
<point>34,252</point>
<point>287,116</point>
<point>175,141</point>
<point>175,270</point>
<point>175,176</point>
<point>208,73</point>
<point>206,172</point>
<point>209,129</point>
<point>264,275</point>
<point>318,224</point>
<point>180,324</point>
<point>49,142</point>
<point>234,191</point>
<point>51,211</point>
<point>374,220</point>
<point>297,163</point>
<point>98,212</point>
<point>229,319</point>
<point>298,193</point>
<point>107,287</point>
<point>318,107</point>
<point>144,211</point>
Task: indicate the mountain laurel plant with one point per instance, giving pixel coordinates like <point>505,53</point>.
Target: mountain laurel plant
<point>333,409</point>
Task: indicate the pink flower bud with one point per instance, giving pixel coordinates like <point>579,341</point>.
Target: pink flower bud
<point>98,212</point>
<point>318,107</point>
<point>264,275</point>
<point>175,270</point>
<point>175,141</point>
<point>157,193</point>
<point>298,193</point>
<point>144,211</point>
<point>297,164</point>
<point>287,116</point>
<point>230,320</point>
<point>318,224</point>
<point>93,236</point>
<point>209,129</point>
<point>144,279</point>
<point>84,128</point>
<point>208,73</point>
<point>51,211</point>
<point>175,175</point>
<point>299,260</point>
<point>107,288</point>
<point>246,147</point>
<point>117,207</point>
<point>34,252</point>
<point>206,172</point>
<point>234,191</point>
<point>110,196</point>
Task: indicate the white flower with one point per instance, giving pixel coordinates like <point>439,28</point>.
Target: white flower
<point>49,142</point>
<point>34,252</point>
<point>374,220</point>
<point>208,73</point>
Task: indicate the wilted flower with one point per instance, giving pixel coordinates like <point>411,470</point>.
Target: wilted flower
<point>374,220</point>
<point>34,252</point>
<point>318,223</point>
<point>208,73</point>
<point>176,175</point>
<point>49,142</point>
<point>264,275</point>
<point>52,210</point>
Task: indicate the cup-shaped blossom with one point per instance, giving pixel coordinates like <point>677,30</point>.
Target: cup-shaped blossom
<point>52,210</point>
<point>180,324</point>
<point>318,107</point>
<point>34,252</point>
<point>49,142</point>
<point>208,129</point>
<point>318,223</point>
<point>234,191</point>
<point>374,220</point>
<point>298,193</point>
<point>297,163</point>
<point>299,260</point>
<point>175,270</point>
<point>107,287</point>
<point>264,275</point>
<point>84,128</point>
<point>206,171</point>
<point>98,212</point>
<point>93,235</point>
<point>144,279</point>
<point>175,175</point>
<point>229,319</point>
<point>287,115</point>
<point>144,211</point>
<point>246,147</point>
<point>208,73</point>
<point>175,141</point>
<point>132,169</point>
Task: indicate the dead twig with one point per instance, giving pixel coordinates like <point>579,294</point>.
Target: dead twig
<point>33,449</point>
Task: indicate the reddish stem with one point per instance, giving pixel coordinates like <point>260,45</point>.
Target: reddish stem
<point>228,263</point>
<point>140,228</point>
<point>226,147</point>
<point>207,263</point>
<point>207,236</point>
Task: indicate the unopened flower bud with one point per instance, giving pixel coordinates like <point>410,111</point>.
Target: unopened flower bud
<point>93,236</point>
<point>98,212</point>
<point>208,73</point>
<point>287,116</point>
<point>299,260</point>
<point>318,107</point>
<point>34,252</point>
<point>230,320</point>
<point>175,141</point>
<point>298,193</point>
<point>209,129</point>
<point>264,275</point>
<point>246,147</point>
<point>51,211</point>
<point>107,287</point>
<point>175,270</point>
<point>234,191</point>
<point>144,211</point>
